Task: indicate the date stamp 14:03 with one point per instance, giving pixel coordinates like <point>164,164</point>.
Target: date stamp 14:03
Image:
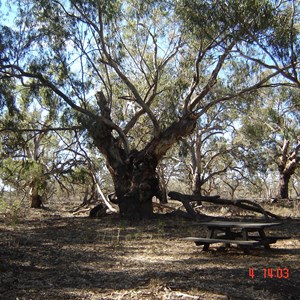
<point>280,273</point>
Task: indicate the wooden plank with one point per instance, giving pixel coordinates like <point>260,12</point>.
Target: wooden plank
<point>234,224</point>
<point>268,239</point>
<point>279,237</point>
<point>203,241</point>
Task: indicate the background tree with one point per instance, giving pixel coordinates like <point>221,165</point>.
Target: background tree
<point>272,132</point>
<point>208,151</point>
<point>35,155</point>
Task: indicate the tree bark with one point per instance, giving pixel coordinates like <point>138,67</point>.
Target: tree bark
<point>197,184</point>
<point>35,198</point>
<point>284,186</point>
<point>287,166</point>
<point>241,203</point>
<point>162,185</point>
<point>134,173</point>
<point>36,201</point>
<point>137,185</point>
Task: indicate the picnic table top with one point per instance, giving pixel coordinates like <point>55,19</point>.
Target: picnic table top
<point>237,224</point>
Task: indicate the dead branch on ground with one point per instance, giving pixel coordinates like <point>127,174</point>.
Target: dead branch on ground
<point>241,203</point>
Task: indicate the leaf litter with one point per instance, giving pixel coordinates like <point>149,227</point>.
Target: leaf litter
<point>51,256</point>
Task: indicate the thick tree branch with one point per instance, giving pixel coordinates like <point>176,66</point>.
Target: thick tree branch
<point>125,79</point>
<point>213,78</point>
<point>183,127</point>
<point>47,83</point>
<point>45,129</point>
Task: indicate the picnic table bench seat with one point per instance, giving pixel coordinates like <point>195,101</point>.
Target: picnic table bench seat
<point>203,241</point>
<point>254,237</point>
<point>277,237</point>
<point>269,239</point>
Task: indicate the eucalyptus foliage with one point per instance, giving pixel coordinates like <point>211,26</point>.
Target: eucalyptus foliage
<point>139,75</point>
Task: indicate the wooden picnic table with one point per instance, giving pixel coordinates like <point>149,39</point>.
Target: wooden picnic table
<point>239,233</point>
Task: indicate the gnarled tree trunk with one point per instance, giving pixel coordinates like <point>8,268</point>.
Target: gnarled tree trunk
<point>136,186</point>
<point>134,172</point>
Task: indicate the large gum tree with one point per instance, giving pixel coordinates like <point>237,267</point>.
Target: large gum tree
<point>138,75</point>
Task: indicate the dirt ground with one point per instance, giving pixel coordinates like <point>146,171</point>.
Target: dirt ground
<point>54,255</point>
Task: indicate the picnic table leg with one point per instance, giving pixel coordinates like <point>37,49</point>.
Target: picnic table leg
<point>245,237</point>
<point>228,235</point>
<point>245,234</point>
<point>246,249</point>
<point>206,246</point>
<point>210,234</point>
<point>264,238</point>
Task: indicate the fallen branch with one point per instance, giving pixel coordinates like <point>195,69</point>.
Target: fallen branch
<point>79,211</point>
<point>162,206</point>
<point>241,203</point>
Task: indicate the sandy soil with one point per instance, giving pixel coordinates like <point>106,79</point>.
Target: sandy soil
<point>51,255</point>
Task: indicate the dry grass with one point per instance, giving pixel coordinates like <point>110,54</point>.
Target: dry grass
<point>54,255</point>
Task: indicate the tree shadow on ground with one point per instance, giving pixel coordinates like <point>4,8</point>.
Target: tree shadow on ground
<point>75,258</point>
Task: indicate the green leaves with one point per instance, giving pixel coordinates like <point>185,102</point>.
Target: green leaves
<point>156,62</point>
<point>284,37</point>
<point>232,19</point>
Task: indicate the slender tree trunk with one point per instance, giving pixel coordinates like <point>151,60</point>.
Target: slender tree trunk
<point>164,198</point>
<point>35,198</point>
<point>283,186</point>
<point>287,166</point>
<point>196,157</point>
<point>197,184</point>
<point>162,185</point>
<point>36,201</point>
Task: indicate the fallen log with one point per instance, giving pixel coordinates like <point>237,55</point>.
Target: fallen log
<point>241,203</point>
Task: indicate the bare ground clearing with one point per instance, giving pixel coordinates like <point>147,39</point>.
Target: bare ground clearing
<point>51,255</point>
